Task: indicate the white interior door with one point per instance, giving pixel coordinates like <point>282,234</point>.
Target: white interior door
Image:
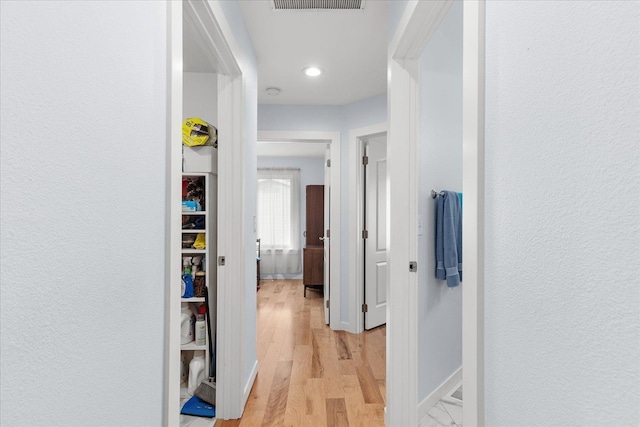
<point>375,261</point>
<point>327,233</point>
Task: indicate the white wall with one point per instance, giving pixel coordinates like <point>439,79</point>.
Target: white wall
<point>330,118</point>
<point>439,168</point>
<point>562,213</point>
<point>299,117</point>
<point>311,173</point>
<point>83,206</point>
<point>200,94</point>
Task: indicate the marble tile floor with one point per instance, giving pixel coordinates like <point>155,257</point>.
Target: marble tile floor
<point>448,410</point>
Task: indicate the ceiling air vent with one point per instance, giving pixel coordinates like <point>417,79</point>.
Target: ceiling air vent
<point>317,4</point>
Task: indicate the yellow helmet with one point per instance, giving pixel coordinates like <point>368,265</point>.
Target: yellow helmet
<point>196,131</point>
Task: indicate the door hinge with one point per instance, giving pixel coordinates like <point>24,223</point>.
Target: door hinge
<point>328,233</point>
<point>365,160</point>
<point>221,260</point>
<point>328,163</point>
<point>365,234</point>
<point>327,304</point>
<point>365,308</point>
<point>413,266</point>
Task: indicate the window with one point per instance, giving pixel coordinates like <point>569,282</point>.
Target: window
<point>278,220</point>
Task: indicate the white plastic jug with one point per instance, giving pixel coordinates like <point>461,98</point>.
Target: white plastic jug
<point>201,330</point>
<point>186,325</point>
<point>196,371</point>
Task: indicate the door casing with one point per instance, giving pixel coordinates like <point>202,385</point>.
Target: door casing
<point>232,388</point>
<point>333,139</point>
<point>417,24</point>
<point>326,242</point>
<point>375,252</point>
<point>356,224</point>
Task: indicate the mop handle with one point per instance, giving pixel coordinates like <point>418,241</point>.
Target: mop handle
<point>212,357</point>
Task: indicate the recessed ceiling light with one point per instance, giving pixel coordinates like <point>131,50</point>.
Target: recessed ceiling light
<point>312,71</point>
<point>273,91</point>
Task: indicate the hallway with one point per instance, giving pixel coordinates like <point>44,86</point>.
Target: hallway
<point>309,375</point>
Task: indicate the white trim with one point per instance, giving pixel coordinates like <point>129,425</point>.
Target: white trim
<point>345,326</point>
<point>334,252</point>
<point>171,413</point>
<point>211,42</point>
<point>473,221</point>
<point>416,26</point>
<point>418,23</point>
<point>230,245</point>
<point>429,402</point>
<point>249,385</point>
<point>402,290</point>
<point>356,253</point>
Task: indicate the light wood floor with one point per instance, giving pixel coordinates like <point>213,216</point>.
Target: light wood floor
<point>308,374</point>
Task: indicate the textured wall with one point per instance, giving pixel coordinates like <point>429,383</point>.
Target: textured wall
<point>439,168</point>
<point>83,202</point>
<point>562,213</point>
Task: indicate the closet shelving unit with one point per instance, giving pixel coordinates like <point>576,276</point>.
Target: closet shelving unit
<point>208,256</point>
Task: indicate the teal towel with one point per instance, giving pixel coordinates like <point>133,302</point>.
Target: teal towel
<point>449,238</point>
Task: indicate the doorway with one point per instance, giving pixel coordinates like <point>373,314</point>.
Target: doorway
<point>374,235</point>
<point>369,224</point>
<point>420,21</point>
<point>324,141</point>
<point>198,24</point>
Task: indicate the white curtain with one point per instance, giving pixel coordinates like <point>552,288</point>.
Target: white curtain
<point>278,218</point>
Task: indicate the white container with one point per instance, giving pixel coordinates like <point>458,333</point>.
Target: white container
<point>200,159</point>
<point>186,325</point>
<point>196,371</point>
<point>201,330</point>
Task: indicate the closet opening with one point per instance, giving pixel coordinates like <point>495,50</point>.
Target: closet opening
<point>205,192</point>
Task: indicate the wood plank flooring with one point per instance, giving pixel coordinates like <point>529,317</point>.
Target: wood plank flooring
<point>309,375</point>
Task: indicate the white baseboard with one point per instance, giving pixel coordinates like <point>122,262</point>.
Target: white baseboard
<point>441,391</point>
<point>346,326</point>
<point>249,385</point>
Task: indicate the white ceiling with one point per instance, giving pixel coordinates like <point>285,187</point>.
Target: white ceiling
<point>349,45</point>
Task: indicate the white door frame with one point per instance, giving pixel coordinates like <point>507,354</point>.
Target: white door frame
<point>356,209</point>
<point>219,47</point>
<point>326,271</point>
<point>333,138</point>
<point>418,23</point>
